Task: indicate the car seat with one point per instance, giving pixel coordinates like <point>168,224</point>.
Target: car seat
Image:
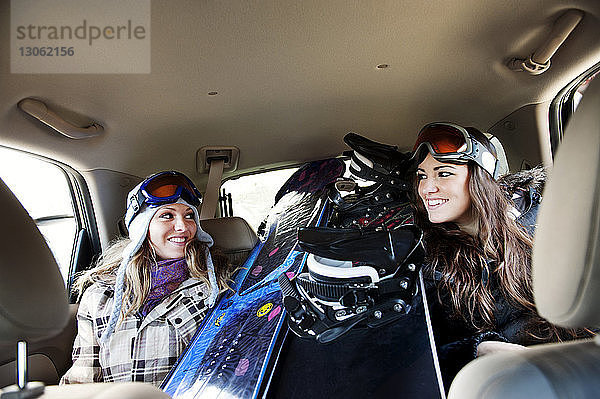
<point>33,302</point>
<point>47,359</point>
<point>233,235</point>
<point>566,279</point>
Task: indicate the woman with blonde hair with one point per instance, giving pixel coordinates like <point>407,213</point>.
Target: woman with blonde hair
<point>142,303</point>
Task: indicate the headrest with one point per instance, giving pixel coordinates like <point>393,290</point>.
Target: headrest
<point>566,256</point>
<point>231,234</point>
<point>33,299</point>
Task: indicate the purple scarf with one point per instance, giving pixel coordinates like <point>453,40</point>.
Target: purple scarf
<point>166,276</point>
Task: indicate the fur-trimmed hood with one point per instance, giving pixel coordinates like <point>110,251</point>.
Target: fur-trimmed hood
<point>524,189</point>
<point>526,180</point>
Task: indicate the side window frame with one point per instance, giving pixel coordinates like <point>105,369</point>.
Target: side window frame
<point>86,245</point>
<point>563,106</point>
<point>86,241</point>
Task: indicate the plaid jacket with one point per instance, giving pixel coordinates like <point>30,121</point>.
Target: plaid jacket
<point>140,349</point>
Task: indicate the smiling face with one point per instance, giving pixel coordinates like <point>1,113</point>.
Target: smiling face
<point>444,190</point>
<point>170,229</point>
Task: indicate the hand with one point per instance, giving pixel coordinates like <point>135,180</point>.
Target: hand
<point>487,347</point>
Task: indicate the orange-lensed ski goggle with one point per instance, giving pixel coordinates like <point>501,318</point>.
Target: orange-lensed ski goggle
<point>448,142</point>
<point>167,187</point>
<point>160,189</point>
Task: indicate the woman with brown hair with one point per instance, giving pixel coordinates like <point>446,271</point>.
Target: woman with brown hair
<point>143,302</point>
<point>478,255</point>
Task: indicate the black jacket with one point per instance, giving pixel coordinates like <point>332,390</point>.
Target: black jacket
<point>456,339</point>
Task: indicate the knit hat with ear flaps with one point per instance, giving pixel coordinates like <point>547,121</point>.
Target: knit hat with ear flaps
<point>137,224</point>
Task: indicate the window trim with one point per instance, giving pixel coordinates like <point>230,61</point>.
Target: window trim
<point>83,210</point>
<point>84,214</point>
<point>562,108</point>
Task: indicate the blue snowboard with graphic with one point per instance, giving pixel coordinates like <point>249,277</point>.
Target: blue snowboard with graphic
<point>231,354</point>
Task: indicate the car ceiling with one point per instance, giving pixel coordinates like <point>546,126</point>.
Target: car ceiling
<point>294,77</point>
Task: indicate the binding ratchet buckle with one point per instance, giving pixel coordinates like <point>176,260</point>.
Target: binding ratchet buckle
<point>336,295</point>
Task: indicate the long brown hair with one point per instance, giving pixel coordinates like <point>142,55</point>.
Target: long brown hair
<point>138,273</point>
<point>501,250</point>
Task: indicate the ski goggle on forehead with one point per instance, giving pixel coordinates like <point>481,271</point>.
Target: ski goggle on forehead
<point>165,188</point>
<point>452,143</point>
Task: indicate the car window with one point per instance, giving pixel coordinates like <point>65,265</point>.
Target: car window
<point>251,196</point>
<point>43,189</point>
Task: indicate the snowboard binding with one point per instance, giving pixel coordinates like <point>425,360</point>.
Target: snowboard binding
<point>374,288</point>
<point>379,162</point>
<point>362,268</point>
<point>386,197</point>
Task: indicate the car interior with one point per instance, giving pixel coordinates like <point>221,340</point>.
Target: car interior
<point>234,89</point>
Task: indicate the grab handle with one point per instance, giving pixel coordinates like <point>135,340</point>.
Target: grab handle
<point>40,111</point>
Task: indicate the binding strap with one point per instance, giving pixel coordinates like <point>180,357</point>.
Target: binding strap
<point>359,166</point>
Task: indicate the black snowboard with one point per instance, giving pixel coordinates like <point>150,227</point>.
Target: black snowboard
<point>394,361</point>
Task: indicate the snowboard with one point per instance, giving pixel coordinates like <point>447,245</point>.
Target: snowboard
<point>231,354</point>
<point>397,360</point>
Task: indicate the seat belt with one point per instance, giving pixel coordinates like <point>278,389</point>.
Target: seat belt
<point>211,195</point>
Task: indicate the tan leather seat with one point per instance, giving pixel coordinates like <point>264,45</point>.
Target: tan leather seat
<point>566,278</point>
<point>48,359</point>
<point>233,235</point>
<point>33,300</point>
